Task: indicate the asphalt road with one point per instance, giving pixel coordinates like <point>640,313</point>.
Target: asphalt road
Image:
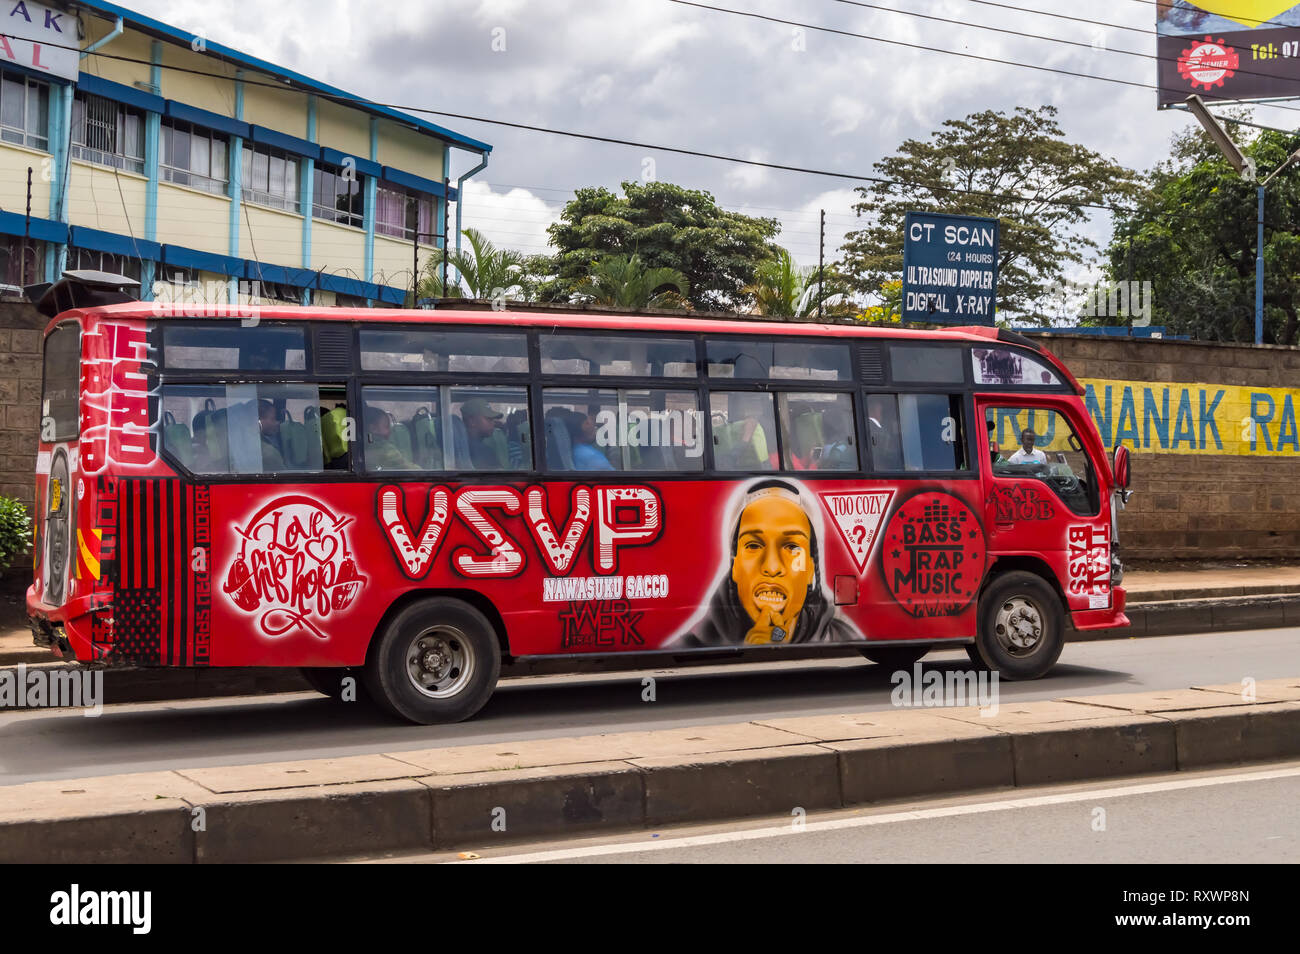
<point>1187,818</point>
<point>50,744</point>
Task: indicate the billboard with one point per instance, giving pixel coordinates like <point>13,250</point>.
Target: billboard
<point>1227,50</point>
<point>950,268</point>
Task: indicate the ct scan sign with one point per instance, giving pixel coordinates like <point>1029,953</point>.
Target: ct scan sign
<point>950,268</point>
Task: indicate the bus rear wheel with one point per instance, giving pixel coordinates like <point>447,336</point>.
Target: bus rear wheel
<point>1021,627</point>
<point>895,657</point>
<point>436,662</point>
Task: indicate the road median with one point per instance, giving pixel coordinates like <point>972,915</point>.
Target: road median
<point>483,795</point>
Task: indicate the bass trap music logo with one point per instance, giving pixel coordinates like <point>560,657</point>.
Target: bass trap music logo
<point>294,567</point>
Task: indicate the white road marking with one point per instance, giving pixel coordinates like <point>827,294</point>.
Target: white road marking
<point>887,818</point>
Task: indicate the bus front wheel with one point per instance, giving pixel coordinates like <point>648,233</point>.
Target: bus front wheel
<point>1021,627</point>
<point>437,661</point>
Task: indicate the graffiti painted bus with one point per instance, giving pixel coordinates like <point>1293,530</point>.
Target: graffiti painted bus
<point>412,497</point>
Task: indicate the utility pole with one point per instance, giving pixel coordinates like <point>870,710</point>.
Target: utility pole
<point>27,234</point>
<point>821,259</point>
<point>1246,168</point>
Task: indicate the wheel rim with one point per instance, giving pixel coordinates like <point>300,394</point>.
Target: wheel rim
<point>439,661</point>
<point>1019,626</point>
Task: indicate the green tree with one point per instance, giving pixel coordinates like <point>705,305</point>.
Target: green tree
<point>1193,238</point>
<point>781,289</point>
<point>667,226</point>
<point>1017,168</point>
<point>481,271</point>
<point>622,281</point>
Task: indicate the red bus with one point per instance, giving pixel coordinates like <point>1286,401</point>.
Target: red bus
<point>412,497</point>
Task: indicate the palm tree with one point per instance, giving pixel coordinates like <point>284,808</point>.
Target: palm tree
<point>781,289</point>
<point>482,271</point>
<point>620,281</point>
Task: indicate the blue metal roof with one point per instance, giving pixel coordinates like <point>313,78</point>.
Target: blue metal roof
<point>163,30</point>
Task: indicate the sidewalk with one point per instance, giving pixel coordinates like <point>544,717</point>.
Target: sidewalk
<point>493,794</point>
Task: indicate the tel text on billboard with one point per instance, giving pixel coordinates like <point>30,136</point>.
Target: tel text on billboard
<point>1228,50</point>
<point>950,268</point>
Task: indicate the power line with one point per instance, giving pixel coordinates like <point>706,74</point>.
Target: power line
<point>613,140</point>
<point>930,49</point>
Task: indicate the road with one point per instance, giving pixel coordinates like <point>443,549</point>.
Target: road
<point>1154,820</point>
<point>52,744</point>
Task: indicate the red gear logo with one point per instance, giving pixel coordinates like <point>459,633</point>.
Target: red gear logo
<point>1208,63</point>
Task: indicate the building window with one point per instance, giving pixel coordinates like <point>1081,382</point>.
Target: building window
<point>402,214</point>
<point>193,156</point>
<point>270,177</point>
<point>24,111</point>
<point>114,264</point>
<point>14,252</point>
<point>107,133</point>
<point>339,197</point>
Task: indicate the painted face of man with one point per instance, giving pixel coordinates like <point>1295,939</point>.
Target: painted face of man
<point>773,567</point>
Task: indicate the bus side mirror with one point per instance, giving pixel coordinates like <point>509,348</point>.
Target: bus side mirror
<point>1122,468</point>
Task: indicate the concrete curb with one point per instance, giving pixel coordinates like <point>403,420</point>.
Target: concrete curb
<point>478,796</point>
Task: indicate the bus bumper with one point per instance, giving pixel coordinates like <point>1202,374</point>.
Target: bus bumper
<point>64,630</point>
<point>1111,618</point>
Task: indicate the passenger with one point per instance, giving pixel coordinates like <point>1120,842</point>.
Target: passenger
<point>1028,454</point>
<point>839,453</point>
<point>582,434</point>
<point>481,423</point>
<point>272,442</point>
<point>381,452</point>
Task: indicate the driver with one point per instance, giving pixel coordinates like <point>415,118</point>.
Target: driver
<point>1028,454</point>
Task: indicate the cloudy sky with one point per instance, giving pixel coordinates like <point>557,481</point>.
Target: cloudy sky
<point>664,73</point>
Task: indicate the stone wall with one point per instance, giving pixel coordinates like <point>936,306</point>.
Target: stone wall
<point>20,398</point>
<point>1189,501</point>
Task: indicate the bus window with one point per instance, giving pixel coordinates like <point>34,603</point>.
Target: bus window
<point>1039,444</point>
<point>882,432</point>
<point>817,432</point>
<point>256,428</point>
<point>59,418</point>
<point>630,357</point>
<point>401,429</point>
<point>488,428</point>
<point>752,358</point>
<point>743,425</point>
<point>649,429</point>
<point>230,347</point>
<point>456,351</point>
<point>920,364</point>
<point>1004,366</point>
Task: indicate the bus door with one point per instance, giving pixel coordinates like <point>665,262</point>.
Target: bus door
<point>1042,495</point>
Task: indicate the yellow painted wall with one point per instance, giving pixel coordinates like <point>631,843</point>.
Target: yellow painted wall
<point>193,219</point>
<point>214,95</point>
<point>346,130</point>
<point>407,150</point>
<point>284,112</point>
<point>337,249</point>
<point>94,200</point>
<point>14,161</point>
<point>274,238</point>
<point>132,45</point>
<point>393,261</point>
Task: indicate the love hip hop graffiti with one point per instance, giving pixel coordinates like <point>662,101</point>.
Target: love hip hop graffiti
<point>294,567</point>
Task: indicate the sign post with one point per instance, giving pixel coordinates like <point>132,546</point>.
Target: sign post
<point>950,268</point>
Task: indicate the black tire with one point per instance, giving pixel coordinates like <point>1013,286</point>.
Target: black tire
<point>328,681</point>
<point>460,661</point>
<point>895,657</point>
<point>1040,617</point>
